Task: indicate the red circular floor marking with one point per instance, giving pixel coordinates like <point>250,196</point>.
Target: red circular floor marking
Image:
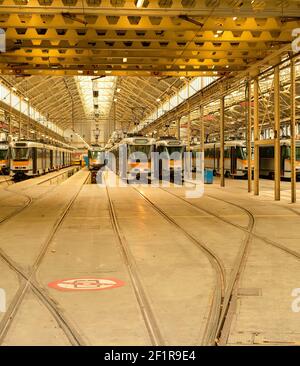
<point>86,284</point>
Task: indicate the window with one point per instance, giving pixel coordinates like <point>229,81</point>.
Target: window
<point>133,151</point>
<point>96,155</point>
<point>266,152</point>
<point>3,154</point>
<point>241,152</point>
<point>227,153</point>
<point>20,153</point>
<point>175,149</point>
<point>298,153</point>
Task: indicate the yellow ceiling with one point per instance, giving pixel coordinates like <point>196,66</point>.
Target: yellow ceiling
<point>164,37</point>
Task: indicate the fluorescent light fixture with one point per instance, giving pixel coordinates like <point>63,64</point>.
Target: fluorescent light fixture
<point>80,72</point>
<point>124,59</point>
<point>140,3</point>
<point>158,99</point>
<point>115,100</point>
<point>14,89</point>
<point>26,98</point>
<point>234,18</point>
<point>118,90</point>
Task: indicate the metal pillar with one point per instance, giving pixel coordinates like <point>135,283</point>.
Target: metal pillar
<point>202,130</point>
<point>202,141</point>
<point>178,128</point>
<point>189,130</point>
<point>277,167</point>
<point>189,118</point>
<point>249,131</point>
<point>256,137</point>
<point>293,132</point>
<point>222,140</point>
<point>20,123</point>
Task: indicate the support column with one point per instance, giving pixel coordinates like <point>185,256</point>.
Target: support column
<point>189,118</point>
<point>256,138</point>
<point>222,140</point>
<point>178,128</point>
<point>277,132</point>
<point>189,130</point>
<point>202,130</point>
<point>202,141</point>
<point>249,132</point>
<point>20,123</point>
<point>293,132</point>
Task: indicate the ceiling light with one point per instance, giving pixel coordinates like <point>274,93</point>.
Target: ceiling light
<point>124,59</point>
<point>118,90</point>
<point>219,31</point>
<point>115,100</point>
<point>140,3</point>
<point>14,89</point>
<point>107,72</point>
<point>26,98</point>
<point>182,77</point>
<point>80,72</point>
<point>234,18</point>
<point>158,99</point>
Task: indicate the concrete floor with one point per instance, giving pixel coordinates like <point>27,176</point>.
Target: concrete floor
<point>176,275</point>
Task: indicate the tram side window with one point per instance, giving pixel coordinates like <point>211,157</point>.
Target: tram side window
<point>39,153</point>
<point>227,153</point>
<point>209,153</point>
<point>286,152</point>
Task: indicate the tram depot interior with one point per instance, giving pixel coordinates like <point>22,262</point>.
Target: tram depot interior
<point>92,253</point>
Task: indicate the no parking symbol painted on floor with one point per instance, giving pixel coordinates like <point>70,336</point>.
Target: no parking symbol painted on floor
<point>86,284</point>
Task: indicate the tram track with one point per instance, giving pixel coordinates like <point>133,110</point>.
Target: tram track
<point>29,200</point>
<point>28,281</point>
<point>241,260</point>
<point>219,291</point>
<point>150,321</point>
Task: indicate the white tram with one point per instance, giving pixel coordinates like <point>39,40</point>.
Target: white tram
<point>30,158</point>
<point>133,157</point>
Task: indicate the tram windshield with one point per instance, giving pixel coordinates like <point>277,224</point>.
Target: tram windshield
<point>175,149</point>
<point>241,153</point>
<point>95,155</point>
<point>135,150</point>
<point>20,153</point>
<point>3,154</point>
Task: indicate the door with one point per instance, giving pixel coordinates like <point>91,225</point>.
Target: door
<point>217,159</point>
<point>34,160</point>
<point>233,160</point>
<point>284,154</point>
<point>51,159</point>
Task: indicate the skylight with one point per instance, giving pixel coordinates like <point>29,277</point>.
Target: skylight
<point>97,94</point>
